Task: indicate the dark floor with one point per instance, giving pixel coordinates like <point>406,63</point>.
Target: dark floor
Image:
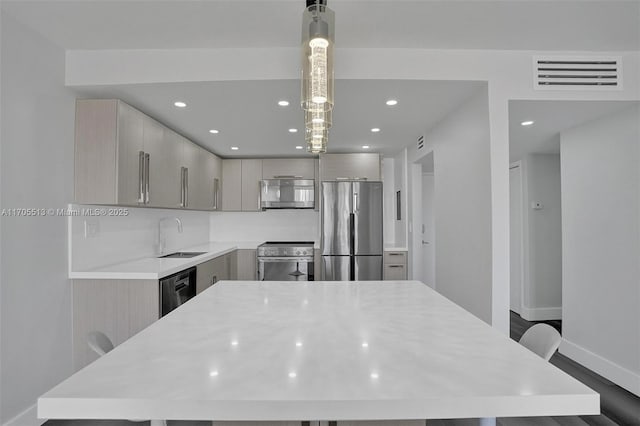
<point>618,406</point>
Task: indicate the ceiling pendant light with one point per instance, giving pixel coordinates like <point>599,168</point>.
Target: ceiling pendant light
<point>317,72</point>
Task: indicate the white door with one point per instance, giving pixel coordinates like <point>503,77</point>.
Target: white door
<point>515,214</point>
<point>428,234</point>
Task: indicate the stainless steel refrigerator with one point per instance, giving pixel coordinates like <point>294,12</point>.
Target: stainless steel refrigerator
<point>351,243</point>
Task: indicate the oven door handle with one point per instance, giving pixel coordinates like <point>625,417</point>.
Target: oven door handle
<point>284,259</point>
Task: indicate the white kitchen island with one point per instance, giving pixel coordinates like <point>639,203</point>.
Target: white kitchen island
<point>291,351</point>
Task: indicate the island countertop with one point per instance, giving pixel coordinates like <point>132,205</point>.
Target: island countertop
<point>318,351</point>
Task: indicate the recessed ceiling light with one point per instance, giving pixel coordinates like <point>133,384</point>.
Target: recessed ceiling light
<point>374,375</point>
<point>365,147</point>
<point>292,374</point>
<point>180,104</point>
<point>234,148</point>
<point>298,147</point>
<point>293,130</point>
<point>214,131</point>
<point>283,103</point>
<point>526,123</point>
<point>213,373</point>
<point>392,102</point>
<point>375,130</point>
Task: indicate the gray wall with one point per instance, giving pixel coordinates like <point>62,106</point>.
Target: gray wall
<point>462,197</point>
<point>36,172</point>
<point>542,287</point>
<point>601,246</point>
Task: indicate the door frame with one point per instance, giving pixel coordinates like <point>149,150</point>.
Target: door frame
<point>518,165</point>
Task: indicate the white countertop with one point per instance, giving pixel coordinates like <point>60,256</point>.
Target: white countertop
<point>373,350</point>
<point>156,268</point>
<point>395,248</point>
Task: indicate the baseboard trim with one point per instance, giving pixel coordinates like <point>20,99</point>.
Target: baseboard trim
<point>541,314</point>
<point>28,417</point>
<point>619,375</point>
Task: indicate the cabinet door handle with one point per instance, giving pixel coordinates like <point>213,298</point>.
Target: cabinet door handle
<point>395,266</point>
<point>140,177</point>
<point>287,177</point>
<point>395,254</point>
<point>147,160</point>
<point>259,196</point>
<point>216,190</point>
<point>186,183</point>
<point>182,187</point>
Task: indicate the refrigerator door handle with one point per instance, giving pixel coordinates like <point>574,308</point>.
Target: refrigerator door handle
<point>356,206</point>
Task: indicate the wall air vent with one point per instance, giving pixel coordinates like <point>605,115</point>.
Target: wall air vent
<point>420,142</point>
<point>577,73</point>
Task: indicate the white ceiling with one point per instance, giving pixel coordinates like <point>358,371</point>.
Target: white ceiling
<point>511,25</point>
<point>247,114</point>
<point>550,119</point>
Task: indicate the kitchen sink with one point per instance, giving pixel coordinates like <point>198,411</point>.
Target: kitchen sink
<point>183,254</point>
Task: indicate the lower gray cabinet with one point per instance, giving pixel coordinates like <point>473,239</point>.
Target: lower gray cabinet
<point>210,272</point>
<point>395,266</point>
<point>117,308</point>
<point>247,265</point>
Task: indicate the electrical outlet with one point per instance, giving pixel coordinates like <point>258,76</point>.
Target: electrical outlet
<point>536,205</point>
<point>91,228</point>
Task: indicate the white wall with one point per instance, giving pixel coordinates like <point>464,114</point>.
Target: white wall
<point>122,238</point>
<point>542,238</point>
<point>37,172</point>
<point>278,225</point>
<point>601,246</point>
<point>462,199</point>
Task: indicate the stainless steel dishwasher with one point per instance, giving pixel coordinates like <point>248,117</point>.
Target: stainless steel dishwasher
<point>176,289</point>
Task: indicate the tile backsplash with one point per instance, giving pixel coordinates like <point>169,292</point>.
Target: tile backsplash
<point>104,240</point>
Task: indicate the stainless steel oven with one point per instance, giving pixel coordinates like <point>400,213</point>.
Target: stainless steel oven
<point>285,261</point>
<point>176,289</point>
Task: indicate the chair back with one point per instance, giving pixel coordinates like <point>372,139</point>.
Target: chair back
<point>541,339</point>
<point>99,342</point>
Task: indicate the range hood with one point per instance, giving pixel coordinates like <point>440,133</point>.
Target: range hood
<point>287,193</point>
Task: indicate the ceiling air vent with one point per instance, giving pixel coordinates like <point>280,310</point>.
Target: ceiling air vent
<point>577,73</point>
<point>421,142</point>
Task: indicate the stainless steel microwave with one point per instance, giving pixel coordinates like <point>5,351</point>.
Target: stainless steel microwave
<point>287,193</point>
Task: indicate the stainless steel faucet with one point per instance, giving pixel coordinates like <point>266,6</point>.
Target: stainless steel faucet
<point>161,239</point>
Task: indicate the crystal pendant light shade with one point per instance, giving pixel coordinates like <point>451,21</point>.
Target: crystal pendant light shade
<point>316,138</point>
<point>317,58</point>
<point>317,117</point>
<point>317,74</point>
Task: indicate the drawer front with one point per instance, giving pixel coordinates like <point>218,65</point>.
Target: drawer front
<point>395,272</point>
<point>395,257</point>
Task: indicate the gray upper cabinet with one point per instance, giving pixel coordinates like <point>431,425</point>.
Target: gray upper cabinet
<point>108,133</point>
<point>124,157</point>
<point>251,176</point>
<point>241,184</point>
<point>364,166</point>
<point>301,168</point>
<point>232,185</point>
<point>164,153</point>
